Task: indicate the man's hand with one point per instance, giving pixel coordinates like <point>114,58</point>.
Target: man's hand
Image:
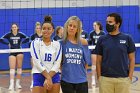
<point>130,78</point>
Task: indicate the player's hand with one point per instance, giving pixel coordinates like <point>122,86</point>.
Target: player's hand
<point>48,83</point>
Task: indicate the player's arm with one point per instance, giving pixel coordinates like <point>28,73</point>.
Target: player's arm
<point>25,38</point>
<point>4,39</point>
<point>86,52</point>
<point>57,62</point>
<point>90,39</point>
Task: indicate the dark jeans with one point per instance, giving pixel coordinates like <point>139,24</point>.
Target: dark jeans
<point>74,88</point>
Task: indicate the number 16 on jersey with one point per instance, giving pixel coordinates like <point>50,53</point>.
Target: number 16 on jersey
<point>48,57</point>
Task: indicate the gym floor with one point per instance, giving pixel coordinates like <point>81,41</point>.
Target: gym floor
<point>26,79</point>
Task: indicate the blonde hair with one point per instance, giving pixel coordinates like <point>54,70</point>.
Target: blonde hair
<point>37,24</point>
<point>79,29</point>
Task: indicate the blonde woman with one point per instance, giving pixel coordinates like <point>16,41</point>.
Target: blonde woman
<point>76,57</point>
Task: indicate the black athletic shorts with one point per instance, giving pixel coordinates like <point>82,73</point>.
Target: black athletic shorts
<point>15,54</point>
<point>93,51</point>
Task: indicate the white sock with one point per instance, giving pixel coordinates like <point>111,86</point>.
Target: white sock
<point>18,86</point>
<point>32,82</point>
<point>17,81</point>
<point>11,81</point>
<point>11,86</point>
<point>93,80</point>
<point>12,74</point>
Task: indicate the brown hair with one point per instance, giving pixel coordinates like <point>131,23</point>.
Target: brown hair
<point>57,29</point>
<point>99,24</point>
<point>16,25</point>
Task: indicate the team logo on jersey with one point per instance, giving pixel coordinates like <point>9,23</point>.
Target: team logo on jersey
<point>122,41</point>
<point>96,37</point>
<point>83,36</point>
<point>14,37</point>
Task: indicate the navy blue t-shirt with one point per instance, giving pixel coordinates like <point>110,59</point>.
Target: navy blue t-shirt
<point>114,50</point>
<point>15,41</point>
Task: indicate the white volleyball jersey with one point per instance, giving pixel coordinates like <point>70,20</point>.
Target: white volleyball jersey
<point>45,57</point>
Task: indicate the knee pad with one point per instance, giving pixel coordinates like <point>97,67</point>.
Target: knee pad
<point>19,71</point>
<point>12,71</point>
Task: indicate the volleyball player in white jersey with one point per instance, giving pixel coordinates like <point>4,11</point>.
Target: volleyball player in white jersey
<point>46,56</point>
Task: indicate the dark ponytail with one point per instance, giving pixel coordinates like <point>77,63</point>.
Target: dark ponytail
<point>100,25</point>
